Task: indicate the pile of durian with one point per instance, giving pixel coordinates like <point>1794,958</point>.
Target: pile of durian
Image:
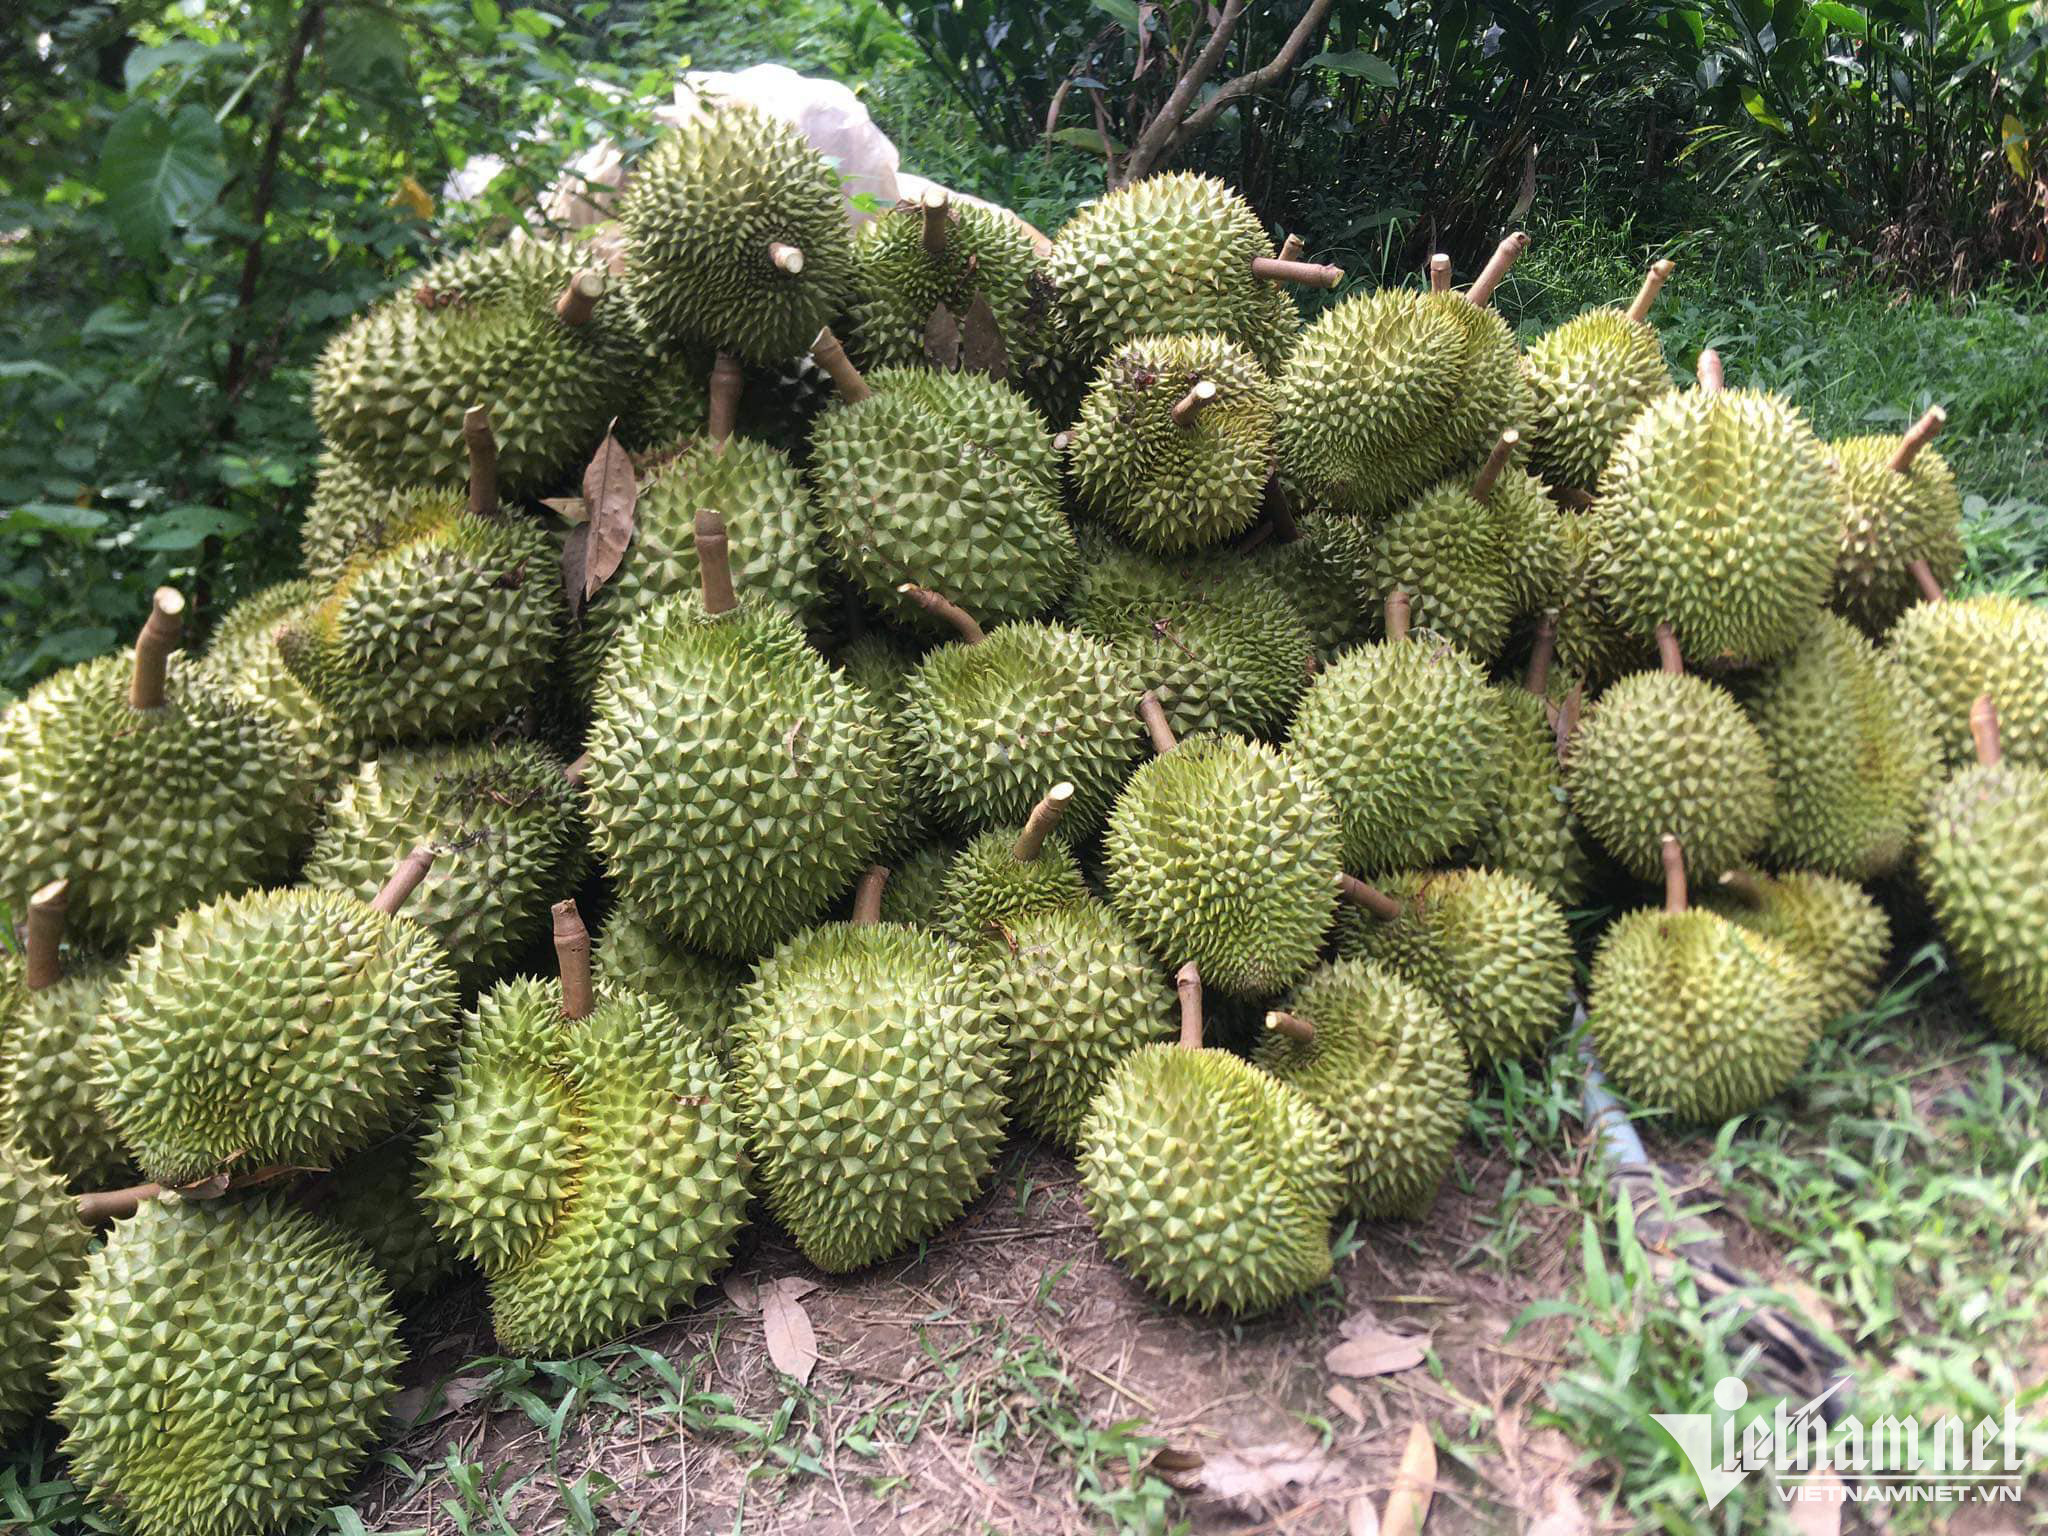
<point>1086,701</point>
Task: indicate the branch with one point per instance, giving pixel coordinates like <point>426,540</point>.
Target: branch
<point>1160,134</point>
<point>1267,73</point>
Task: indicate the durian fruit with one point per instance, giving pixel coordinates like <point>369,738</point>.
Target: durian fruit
<point>1225,852</point>
<point>987,723</point>
<point>1175,255</point>
<point>243,658</point>
<point>702,993</point>
<point>1446,550</point>
<point>1695,1015</point>
<point>869,1060</point>
<point>1831,924</point>
<point>1591,643</point>
<point>1536,556</point>
<point>1408,738</point>
<point>1533,832</point>
<point>1378,1056</point>
<point>1002,876</point>
<point>1589,378</point>
<point>1980,862</point>
<point>225,1369</point>
<point>281,1028</point>
<point>374,1197</point>
<point>1046,365</point>
<point>1175,441</point>
<point>145,786</point>
<point>1899,505</point>
<point>1208,1179</point>
<point>736,782</point>
<point>42,1250</point>
<point>1718,517</point>
<point>1665,750</point>
<point>1852,754</point>
<point>1213,636</point>
<point>524,325</point>
<point>921,256</point>
<point>916,892</point>
<point>48,1026</point>
<point>943,480</point>
<point>736,236</point>
<point>588,1155</point>
<point>508,833</point>
<point>1491,949</point>
<point>1956,650</point>
<point>1079,995</point>
<point>1326,570</point>
<point>670,404</point>
<point>353,513</point>
<point>881,665</point>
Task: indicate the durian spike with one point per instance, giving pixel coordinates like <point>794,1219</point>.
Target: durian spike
<point>572,956</point>
<point>831,356</point>
<point>1505,255</point>
<point>579,300</point>
<point>1370,897</point>
<point>867,896</point>
<point>1744,886</point>
<point>1187,981</point>
<point>483,461</point>
<point>1924,578</point>
<point>1201,394</point>
<point>1397,615</point>
<point>405,878</point>
<point>944,608</point>
<point>786,258</point>
<point>578,771</point>
<point>153,648</point>
<point>1039,825</point>
<point>714,563</point>
<point>1153,713</point>
<point>1542,654</point>
<point>1653,284</point>
<point>1918,436</point>
<point>1712,376</point>
<point>1308,274</point>
<point>1439,273</point>
<point>1291,248</point>
<point>1496,461</point>
<point>1984,731</point>
<point>1669,657</point>
<point>1292,1025</point>
<point>43,964</point>
<point>1674,875</point>
<point>937,213</point>
<point>723,413</point>
<point>104,1205</point>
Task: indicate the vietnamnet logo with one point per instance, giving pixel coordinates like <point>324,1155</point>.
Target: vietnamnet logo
<point>1889,1461</point>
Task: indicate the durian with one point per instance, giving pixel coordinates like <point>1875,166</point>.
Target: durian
<point>1831,924</point>
<point>353,513</point>
<point>1955,650</point>
<point>918,257</point>
<point>42,1252</point>
<point>1591,643</point>
<point>1533,832</point>
<point>374,1197</point>
<point>1447,550</point>
<point>1589,378</point>
<point>1326,571</point>
<point>916,892</point>
<point>243,658</point>
<point>1899,506</point>
<point>702,993</point>
<point>48,1029</point>
<point>1001,876</point>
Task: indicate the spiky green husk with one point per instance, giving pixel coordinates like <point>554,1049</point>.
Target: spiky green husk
<point>703,993</point>
<point>1832,925</point>
<point>145,812</point>
<point>1694,1015</point>
<point>225,1369</point>
<point>1980,861</point>
<point>1446,552</point>
<point>1389,1070</point>
<point>1211,1181</point>
<point>478,328</point>
<point>446,631</point>
<point>1491,948</point>
<point>1719,519</point>
<point>1169,255</point>
<point>946,480</point>
<point>1167,487</point>
<point>987,254</point>
<point>700,212</point>
<point>916,892</point>
<point>1588,380</point>
<point>1533,832</point>
<point>47,1061</point>
<point>881,666</point>
<point>1226,852</point>
<point>243,658</point>
<point>870,1068</point>
<point>374,1197</point>
<point>1851,752</point>
<point>1536,560</point>
<point>737,783</point>
<point>42,1251</point>
<point>1590,641</point>
<point>1663,754</point>
<point>1409,739</point>
<point>988,888</point>
<point>669,405</point>
<point>1327,574</point>
<point>507,828</point>
<point>1888,521</point>
<point>1215,638</point>
<point>279,1028</point>
<point>353,516</point>
<point>1954,652</point>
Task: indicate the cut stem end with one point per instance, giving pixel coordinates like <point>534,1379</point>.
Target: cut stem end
<point>572,957</point>
<point>1187,981</point>
<point>153,647</point>
<point>1039,825</point>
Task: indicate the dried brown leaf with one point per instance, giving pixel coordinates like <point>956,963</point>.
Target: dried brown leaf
<point>1376,1354</point>
<point>942,340</point>
<point>575,554</point>
<point>741,1290</point>
<point>570,509</point>
<point>981,341</point>
<point>1346,1402</point>
<point>611,492</point>
<point>1261,1479</point>
<point>1360,1518</point>
<point>1414,1485</point>
<point>792,1343</point>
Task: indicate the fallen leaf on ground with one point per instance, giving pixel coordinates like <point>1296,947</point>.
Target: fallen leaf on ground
<point>1263,1478</point>
<point>434,1400</point>
<point>1414,1485</point>
<point>1376,1354</point>
<point>1563,1517</point>
<point>1346,1402</point>
<point>792,1344</point>
<point>1360,1518</point>
<point>742,1291</point>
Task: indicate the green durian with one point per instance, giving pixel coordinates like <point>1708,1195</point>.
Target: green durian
<point>1889,519</point>
<point>1046,364</point>
<point>1831,924</point>
<point>916,892</point>
<point>1326,570</point>
<point>243,658</point>
<point>42,1250</point>
<point>1590,642</point>
<point>1003,875</point>
<point>353,513</point>
<point>1445,550</point>
<point>669,406</point>
<point>1588,379</point>
<point>374,1197</point>
<point>983,254</point>
<point>1536,559</point>
<point>1955,651</point>
<point>702,993</point>
<point>1533,832</point>
<point>881,665</point>
<point>49,1024</point>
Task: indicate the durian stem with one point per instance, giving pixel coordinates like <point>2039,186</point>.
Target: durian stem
<point>1062,441</point>
<point>867,896</point>
<point>1201,393</point>
<point>714,563</point>
<point>1924,578</point>
<point>579,300</point>
<point>1712,376</point>
<point>1307,274</point>
<point>1542,654</point>
<point>153,647</point>
<point>1669,656</point>
<point>723,413</point>
<point>483,461</point>
<point>944,608</point>
<point>405,879</point>
<point>1440,273</point>
<point>1744,886</point>
<point>1918,436</point>
<point>1653,284</point>
<point>937,214</point>
<point>1984,731</point>
<point>1292,1025</point>
<point>104,1205</point>
<point>578,771</point>
<point>1187,981</point>
<point>1038,826</point>
<point>1496,461</point>
<point>1153,713</point>
<point>1505,255</point>
<point>786,258</point>
<point>1674,875</point>
<point>1397,615</point>
<point>44,966</point>
<point>1291,248</point>
<point>1370,897</point>
<point>831,356</point>
<point>572,957</point>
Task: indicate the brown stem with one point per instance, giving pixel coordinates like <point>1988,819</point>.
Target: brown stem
<point>937,214</point>
<point>831,356</point>
<point>714,563</point>
<point>1397,615</point>
<point>153,647</point>
<point>1153,713</point>
<point>44,966</point>
<point>1307,274</point>
<point>1669,656</point>
<point>1542,654</point>
<point>723,413</point>
<point>1505,255</point>
<point>483,461</point>
<point>1187,981</point>
<point>1712,376</point>
<point>867,896</point>
<point>1984,731</point>
<point>1496,461</point>
<point>1924,578</point>
<point>1745,887</point>
<point>786,258</point>
<point>406,876</point>
<point>1039,824</point>
<point>1918,436</point>
<point>1201,394</point>
<point>1291,248</point>
<point>1653,284</point>
<point>579,300</point>
<point>1292,1025</point>
<point>944,608</point>
<point>1374,900</point>
<point>1674,875</point>
<point>104,1205</point>
<point>1440,273</point>
<point>578,771</point>
<point>572,956</point>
